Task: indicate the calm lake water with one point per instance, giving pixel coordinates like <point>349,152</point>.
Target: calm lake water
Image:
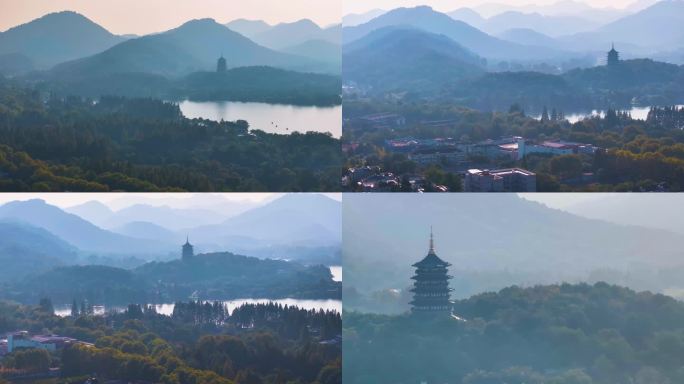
<point>336,272</point>
<point>639,113</point>
<point>272,118</point>
<point>167,309</point>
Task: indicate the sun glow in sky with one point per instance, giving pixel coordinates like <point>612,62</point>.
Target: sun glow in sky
<point>148,16</point>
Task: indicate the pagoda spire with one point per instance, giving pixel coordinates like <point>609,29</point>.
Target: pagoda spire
<point>432,242</point>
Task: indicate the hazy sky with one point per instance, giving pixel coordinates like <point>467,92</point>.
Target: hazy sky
<point>563,200</point>
<point>147,16</point>
<point>121,200</point>
<point>360,6</point>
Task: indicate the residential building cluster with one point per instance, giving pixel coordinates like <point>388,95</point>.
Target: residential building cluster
<point>374,179</point>
<point>450,151</point>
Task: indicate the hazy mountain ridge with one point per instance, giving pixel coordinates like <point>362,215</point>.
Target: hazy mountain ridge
<point>57,37</point>
<point>284,35</point>
<point>495,241</point>
<point>426,18</point>
<point>354,19</point>
<point>662,211</point>
<point>75,230</point>
<point>26,249</point>
<point>553,37</point>
<point>282,227</point>
<point>655,28</point>
<point>194,46</point>
<point>552,25</point>
<point>282,221</point>
<point>408,59</point>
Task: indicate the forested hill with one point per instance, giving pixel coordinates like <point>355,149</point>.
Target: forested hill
<point>57,144</point>
<point>198,343</point>
<point>248,84</point>
<point>262,84</point>
<point>216,276</point>
<point>644,81</point>
<point>568,334</point>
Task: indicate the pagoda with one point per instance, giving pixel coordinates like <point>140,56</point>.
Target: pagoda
<point>431,290</point>
<point>613,56</point>
<point>188,250</point>
<point>221,65</point>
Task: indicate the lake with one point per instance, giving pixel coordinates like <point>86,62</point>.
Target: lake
<point>167,309</point>
<point>272,118</point>
<point>639,113</point>
<point>336,271</point>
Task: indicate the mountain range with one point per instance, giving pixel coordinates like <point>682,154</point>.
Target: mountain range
<point>43,236</point>
<point>429,20</point>
<point>551,25</point>
<point>75,55</point>
<point>530,35</point>
<point>194,46</point>
<point>653,29</point>
<point>303,38</point>
<point>76,231</point>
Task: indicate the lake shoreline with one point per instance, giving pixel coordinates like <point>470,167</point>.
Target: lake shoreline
<point>270,118</point>
<point>63,310</point>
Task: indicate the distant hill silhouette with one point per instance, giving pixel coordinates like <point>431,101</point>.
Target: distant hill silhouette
<point>354,19</point>
<point>149,231</point>
<point>288,34</point>
<point>528,37</point>
<point>408,59</point>
<point>296,219</point>
<point>468,16</point>
<point>549,25</point>
<point>248,28</point>
<point>76,231</point>
<point>658,27</point>
<point>318,49</point>
<point>426,18</point>
<point>194,46</point>
<point>57,37</point>
<point>26,249</point>
<point>165,216</point>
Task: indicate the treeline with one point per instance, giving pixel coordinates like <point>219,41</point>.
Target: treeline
<point>261,84</point>
<point>116,144</point>
<point>599,87</point>
<point>246,84</point>
<point>217,275</point>
<point>564,334</point>
<point>142,345</point>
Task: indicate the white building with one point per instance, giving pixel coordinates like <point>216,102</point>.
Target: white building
<point>21,339</point>
<point>500,180</point>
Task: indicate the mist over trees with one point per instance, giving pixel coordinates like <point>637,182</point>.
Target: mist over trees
<point>565,334</point>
